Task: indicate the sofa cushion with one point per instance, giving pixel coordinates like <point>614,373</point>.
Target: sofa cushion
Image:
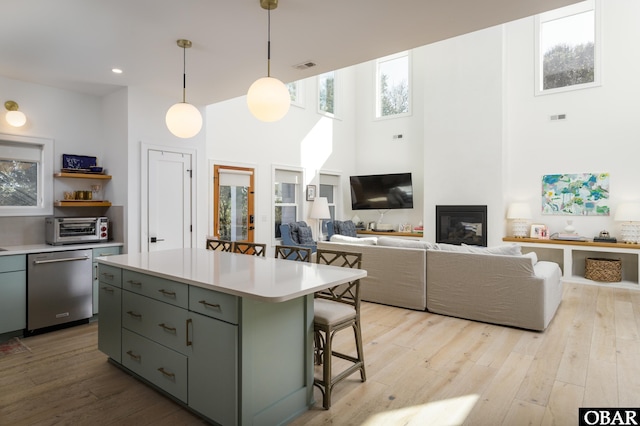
<point>369,241</point>
<point>453,247</point>
<point>505,250</point>
<point>533,256</point>
<point>406,243</point>
<point>294,227</point>
<point>305,236</point>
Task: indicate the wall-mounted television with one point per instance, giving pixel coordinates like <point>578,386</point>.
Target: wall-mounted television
<point>381,192</point>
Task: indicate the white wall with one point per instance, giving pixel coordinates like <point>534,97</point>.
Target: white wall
<point>463,165</point>
<point>601,132</point>
<point>303,138</point>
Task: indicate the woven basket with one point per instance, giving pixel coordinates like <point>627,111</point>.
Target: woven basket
<point>605,270</point>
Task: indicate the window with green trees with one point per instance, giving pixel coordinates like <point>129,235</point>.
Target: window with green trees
<point>392,85</point>
<point>567,53</point>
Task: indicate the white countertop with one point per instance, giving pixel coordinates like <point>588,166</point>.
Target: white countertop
<point>262,278</point>
<point>41,248</point>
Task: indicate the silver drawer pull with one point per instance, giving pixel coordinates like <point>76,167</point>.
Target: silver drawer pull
<point>134,356</point>
<point>167,328</point>
<point>132,282</point>
<point>167,293</point>
<point>211,305</point>
<point>106,275</point>
<point>108,289</point>
<point>166,373</point>
<point>134,314</point>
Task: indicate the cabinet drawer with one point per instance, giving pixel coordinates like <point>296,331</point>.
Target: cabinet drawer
<point>162,323</point>
<point>110,275</point>
<point>161,366</point>
<point>214,304</point>
<point>167,291</point>
<point>105,251</point>
<point>13,263</point>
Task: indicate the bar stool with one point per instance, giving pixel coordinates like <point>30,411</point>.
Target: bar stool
<point>337,308</point>
<point>254,249</point>
<point>296,253</point>
<point>219,245</point>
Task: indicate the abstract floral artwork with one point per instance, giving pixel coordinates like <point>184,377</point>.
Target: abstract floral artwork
<point>582,194</point>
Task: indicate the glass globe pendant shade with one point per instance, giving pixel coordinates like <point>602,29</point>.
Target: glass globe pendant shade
<point>184,120</point>
<point>16,118</point>
<point>268,99</point>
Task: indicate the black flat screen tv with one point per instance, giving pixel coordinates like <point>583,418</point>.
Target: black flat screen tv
<point>381,192</point>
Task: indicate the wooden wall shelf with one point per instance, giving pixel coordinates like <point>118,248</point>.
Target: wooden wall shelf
<point>81,175</point>
<point>82,204</point>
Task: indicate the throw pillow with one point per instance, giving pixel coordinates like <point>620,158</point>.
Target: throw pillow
<point>368,241</point>
<point>336,226</point>
<point>452,247</point>
<point>293,226</point>
<point>305,235</point>
<point>533,256</point>
<point>348,228</point>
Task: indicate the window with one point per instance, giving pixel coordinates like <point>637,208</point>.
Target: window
<point>567,49</point>
<point>296,93</point>
<point>392,85</point>
<point>329,186</point>
<point>26,176</point>
<point>286,197</point>
<point>327,93</point>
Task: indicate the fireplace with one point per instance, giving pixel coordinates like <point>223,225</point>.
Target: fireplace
<point>461,224</point>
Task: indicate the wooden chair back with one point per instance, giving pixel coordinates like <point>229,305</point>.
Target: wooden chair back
<point>299,254</point>
<point>348,293</point>
<point>219,245</point>
<point>254,249</point>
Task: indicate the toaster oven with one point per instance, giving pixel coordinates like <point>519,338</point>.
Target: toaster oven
<point>74,230</point>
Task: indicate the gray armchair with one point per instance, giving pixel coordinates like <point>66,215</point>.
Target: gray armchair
<point>297,234</point>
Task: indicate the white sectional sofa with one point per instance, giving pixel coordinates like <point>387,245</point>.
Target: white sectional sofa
<point>498,285</point>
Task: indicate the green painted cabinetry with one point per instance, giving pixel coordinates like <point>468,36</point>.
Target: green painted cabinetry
<point>13,293</point>
<point>98,252</point>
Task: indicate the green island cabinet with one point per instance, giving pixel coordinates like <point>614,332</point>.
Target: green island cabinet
<point>13,293</point>
<point>99,252</point>
<point>209,350</point>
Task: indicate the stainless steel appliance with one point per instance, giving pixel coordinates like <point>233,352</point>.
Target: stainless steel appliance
<point>73,230</point>
<point>59,288</point>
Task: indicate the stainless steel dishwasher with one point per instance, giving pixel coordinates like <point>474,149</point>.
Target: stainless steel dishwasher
<point>59,288</point>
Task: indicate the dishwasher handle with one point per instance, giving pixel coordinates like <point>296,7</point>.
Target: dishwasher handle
<point>66,259</point>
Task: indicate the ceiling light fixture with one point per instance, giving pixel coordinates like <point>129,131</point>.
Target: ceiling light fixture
<point>183,119</point>
<point>268,98</point>
<point>14,117</point>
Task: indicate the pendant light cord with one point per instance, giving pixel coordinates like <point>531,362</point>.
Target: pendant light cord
<point>184,74</point>
<point>269,42</point>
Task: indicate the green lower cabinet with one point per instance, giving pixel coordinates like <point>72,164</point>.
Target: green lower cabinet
<point>213,369</point>
<point>13,293</point>
<point>99,252</point>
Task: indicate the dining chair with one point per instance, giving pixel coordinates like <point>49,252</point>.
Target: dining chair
<point>219,245</point>
<point>335,309</point>
<point>296,253</point>
<point>254,249</point>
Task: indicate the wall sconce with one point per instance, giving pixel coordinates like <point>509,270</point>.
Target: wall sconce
<point>519,213</point>
<point>14,117</point>
<point>629,214</point>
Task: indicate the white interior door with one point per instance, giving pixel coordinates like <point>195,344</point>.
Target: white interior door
<point>169,200</point>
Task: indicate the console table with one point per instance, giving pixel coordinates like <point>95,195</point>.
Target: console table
<point>571,255</point>
<point>390,233</point>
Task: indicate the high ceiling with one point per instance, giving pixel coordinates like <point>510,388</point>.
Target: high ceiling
<point>74,44</point>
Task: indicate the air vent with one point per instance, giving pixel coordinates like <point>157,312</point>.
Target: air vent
<point>305,65</point>
<point>558,117</point>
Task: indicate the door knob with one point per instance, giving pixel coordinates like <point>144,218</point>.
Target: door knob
<point>155,239</point>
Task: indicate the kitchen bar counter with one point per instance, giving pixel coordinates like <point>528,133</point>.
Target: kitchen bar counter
<point>261,278</point>
<point>44,248</point>
<point>229,336</point>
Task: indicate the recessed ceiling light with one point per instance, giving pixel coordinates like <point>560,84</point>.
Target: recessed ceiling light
<point>116,70</point>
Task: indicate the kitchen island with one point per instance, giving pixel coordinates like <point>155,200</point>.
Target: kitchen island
<point>228,335</point>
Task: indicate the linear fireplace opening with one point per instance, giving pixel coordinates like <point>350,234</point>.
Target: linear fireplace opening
<point>461,225</point>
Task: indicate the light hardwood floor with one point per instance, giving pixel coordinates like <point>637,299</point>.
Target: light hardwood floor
<point>422,369</point>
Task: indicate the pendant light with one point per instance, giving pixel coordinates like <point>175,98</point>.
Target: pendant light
<point>268,98</point>
<point>183,119</point>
